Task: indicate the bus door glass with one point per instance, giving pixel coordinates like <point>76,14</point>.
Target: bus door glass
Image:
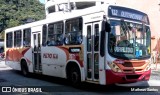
<point>37,52</point>
<point>93,51</point>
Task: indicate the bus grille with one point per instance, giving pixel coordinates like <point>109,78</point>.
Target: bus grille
<point>134,64</point>
<point>132,70</point>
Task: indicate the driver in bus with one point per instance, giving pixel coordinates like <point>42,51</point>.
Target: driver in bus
<point>123,41</point>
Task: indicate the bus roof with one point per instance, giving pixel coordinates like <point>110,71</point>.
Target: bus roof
<point>59,16</point>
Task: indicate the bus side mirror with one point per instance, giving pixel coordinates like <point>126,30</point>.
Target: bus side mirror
<point>107,27</point>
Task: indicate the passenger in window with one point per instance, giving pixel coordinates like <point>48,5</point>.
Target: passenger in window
<point>59,39</point>
<point>51,42</point>
<point>123,42</point>
<point>26,43</point>
<point>75,28</point>
<point>67,38</point>
<point>78,38</point>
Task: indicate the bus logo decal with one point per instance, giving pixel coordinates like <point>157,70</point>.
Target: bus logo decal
<point>50,56</point>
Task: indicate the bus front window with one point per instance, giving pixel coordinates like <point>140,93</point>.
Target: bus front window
<point>129,40</point>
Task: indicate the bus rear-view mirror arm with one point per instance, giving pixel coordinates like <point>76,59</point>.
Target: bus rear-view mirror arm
<point>105,28</point>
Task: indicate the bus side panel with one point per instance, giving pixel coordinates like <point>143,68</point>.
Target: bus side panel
<point>53,61</point>
<point>28,58</point>
<point>14,56</point>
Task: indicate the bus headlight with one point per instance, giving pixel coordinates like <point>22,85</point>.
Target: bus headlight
<point>114,67</point>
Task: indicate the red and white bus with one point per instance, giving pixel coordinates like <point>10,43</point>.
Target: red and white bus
<point>103,44</point>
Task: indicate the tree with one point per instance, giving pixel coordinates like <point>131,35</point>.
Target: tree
<point>18,12</point>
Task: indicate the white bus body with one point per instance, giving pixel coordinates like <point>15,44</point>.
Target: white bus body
<point>78,58</point>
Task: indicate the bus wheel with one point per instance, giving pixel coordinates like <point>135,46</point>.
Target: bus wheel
<point>24,69</point>
<point>74,76</point>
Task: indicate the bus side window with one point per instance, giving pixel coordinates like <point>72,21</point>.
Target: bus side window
<point>17,38</point>
<point>9,39</point>
<point>27,37</point>
<point>73,31</point>
<point>44,36</point>
<point>55,34</point>
<point>58,32</point>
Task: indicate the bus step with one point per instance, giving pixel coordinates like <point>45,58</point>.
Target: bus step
<point>91,81</point>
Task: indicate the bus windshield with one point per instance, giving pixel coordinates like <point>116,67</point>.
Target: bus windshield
<point>128,40</point>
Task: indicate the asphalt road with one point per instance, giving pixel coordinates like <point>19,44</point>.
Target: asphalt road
<point>57,86</point>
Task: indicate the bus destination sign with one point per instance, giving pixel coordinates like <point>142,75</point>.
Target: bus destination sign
<point>126,13</point>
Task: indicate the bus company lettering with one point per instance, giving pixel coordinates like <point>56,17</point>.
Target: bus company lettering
<point>127,14</point>
<point>131,15</point>
<point>50,56</point>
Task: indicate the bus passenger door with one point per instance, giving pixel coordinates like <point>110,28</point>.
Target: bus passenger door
<point>92,51</point>
<point>37,52</point>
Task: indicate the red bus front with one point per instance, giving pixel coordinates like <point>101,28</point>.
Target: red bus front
<point>128,52</point>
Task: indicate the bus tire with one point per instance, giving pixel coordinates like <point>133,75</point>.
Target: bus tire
<point>74,76</point>
<point>24,68</point>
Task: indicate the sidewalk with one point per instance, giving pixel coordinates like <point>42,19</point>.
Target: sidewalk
<point>155,72</point>
<point>3,66</point>
<point>155,67</point>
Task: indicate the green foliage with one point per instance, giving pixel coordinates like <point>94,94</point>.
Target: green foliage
<point>2,35</point>
<point>17,12</point>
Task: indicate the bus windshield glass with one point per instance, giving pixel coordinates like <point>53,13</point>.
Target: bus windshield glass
<point>129,40</point>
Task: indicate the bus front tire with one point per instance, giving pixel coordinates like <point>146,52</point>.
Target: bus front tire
<point>74,76</point>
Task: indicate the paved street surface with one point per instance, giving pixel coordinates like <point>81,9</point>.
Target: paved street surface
<point>58,86</point>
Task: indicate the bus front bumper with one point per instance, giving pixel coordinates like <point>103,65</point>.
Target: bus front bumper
<point>113,77</point>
